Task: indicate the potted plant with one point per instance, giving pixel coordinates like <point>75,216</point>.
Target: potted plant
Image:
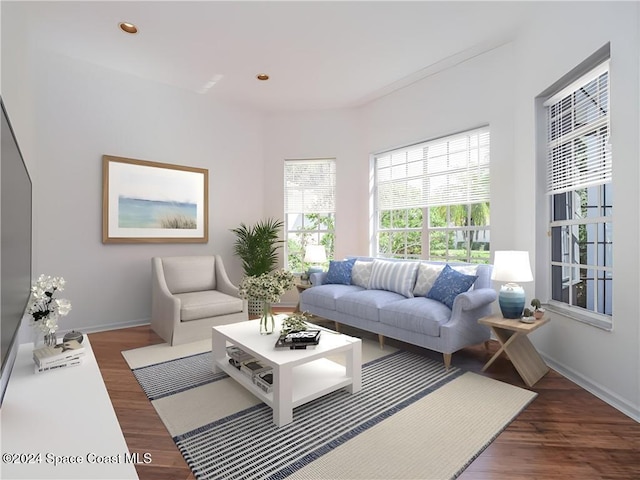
<point>538,311</point>
<point>257,246</point>
<point>527,316</point>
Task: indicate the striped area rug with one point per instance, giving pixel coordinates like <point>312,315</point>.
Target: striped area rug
<point>407,402</point>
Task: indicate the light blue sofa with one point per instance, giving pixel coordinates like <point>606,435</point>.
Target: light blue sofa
<point>395,304</point>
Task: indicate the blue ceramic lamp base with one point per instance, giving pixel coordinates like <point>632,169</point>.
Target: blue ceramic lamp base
<point>511,300</point>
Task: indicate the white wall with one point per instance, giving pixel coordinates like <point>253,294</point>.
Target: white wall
<point>82,112</point>
<point>607,363</point>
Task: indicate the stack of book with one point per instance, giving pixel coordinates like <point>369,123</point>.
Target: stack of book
<point>237,356</point>
<point>65,354</point>
<point>259,373</point>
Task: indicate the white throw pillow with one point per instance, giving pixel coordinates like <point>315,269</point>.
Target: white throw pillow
<point>361,273</point>
<point>398,277</point>
<point>427,275</point>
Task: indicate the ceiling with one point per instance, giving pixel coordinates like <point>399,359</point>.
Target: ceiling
<point>319,55</point>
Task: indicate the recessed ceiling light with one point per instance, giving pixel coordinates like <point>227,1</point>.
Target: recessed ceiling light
<point>128,27</point>
<point>262,76</point>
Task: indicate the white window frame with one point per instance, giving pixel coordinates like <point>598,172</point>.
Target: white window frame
<point>566,175</point>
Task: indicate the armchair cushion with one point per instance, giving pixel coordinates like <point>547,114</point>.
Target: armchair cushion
<point>211,303</point>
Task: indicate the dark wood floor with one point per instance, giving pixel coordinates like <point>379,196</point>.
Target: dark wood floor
<point>565,433</point>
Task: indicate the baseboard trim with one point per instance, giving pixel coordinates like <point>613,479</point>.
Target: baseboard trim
<point>603,393</point>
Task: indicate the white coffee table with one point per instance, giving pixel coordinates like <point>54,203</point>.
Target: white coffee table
<point>299,376</point>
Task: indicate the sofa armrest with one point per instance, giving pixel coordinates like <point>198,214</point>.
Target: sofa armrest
<point>165,308</point>
<point>223,284</point>
<point>474,299</point>
<point>317,278</point>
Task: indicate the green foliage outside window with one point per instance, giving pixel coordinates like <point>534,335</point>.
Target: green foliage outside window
<point>317,228</point>
<point>451,231</point>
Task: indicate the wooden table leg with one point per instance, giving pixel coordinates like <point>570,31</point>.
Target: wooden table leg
<point>523,355</point>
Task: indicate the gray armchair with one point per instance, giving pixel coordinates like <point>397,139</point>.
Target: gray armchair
<point>189,295</point>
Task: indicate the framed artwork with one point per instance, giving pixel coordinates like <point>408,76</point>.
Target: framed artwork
<point>150,202</point>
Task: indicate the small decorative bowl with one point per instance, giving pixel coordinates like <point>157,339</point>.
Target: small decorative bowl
<point>73,335</point>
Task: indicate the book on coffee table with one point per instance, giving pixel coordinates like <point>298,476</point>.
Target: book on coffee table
<point>299,339</point>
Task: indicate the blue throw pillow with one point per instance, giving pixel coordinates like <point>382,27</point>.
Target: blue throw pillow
<point>449,284</point>
<point>340,271</point>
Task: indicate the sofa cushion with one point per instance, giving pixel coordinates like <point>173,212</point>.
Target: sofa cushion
<point>324,296</point>
<point>340,271</point>
<point>419,314</point>
<point>366,303</point>
<point>398,277</point>
<point>361,273</point>
<point>449,284</point>
<point>210,303</point>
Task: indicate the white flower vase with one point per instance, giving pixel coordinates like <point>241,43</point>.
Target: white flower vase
<point>267,322</point>
<point>50,339</point>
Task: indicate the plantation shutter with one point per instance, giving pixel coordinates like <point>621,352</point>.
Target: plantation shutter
<point>447,171</point>
<point>578,131</point>
<point>310,186</point>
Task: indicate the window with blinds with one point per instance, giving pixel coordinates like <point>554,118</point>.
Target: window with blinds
<point>579,172</point>
<point>309,207</point>
<point>432,199</point>
<point>446,171</point>
<point>578,133</point>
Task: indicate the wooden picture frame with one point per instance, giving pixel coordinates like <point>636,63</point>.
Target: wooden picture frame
<point>151,202</point>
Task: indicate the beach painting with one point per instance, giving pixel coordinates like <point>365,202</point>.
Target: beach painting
<point>153,202</point>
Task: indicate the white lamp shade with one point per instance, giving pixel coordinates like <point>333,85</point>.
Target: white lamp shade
<point>315,254</point>
<point>512,267</point>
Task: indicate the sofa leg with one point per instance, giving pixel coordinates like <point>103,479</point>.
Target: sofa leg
<point>381,341</point>
<point>337,325</point>
<point>447,360</point>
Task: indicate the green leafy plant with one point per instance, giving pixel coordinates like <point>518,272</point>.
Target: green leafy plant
<point>295,322</point>
<point>257,246</point>
<point>535,303</point>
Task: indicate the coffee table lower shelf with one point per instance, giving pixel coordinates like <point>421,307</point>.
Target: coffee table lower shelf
<point>309,381</point>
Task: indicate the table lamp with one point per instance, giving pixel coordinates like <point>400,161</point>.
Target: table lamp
<point>315,255</point>
<point>511,267</point>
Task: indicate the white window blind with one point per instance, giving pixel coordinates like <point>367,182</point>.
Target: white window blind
<point>578,134</point>
<point>447,171</point>
<point>310,186</point>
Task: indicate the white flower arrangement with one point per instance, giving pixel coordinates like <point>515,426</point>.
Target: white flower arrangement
<point>43,308</point>
<point>268,287</point>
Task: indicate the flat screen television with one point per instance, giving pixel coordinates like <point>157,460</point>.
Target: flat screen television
<point>15,250</point>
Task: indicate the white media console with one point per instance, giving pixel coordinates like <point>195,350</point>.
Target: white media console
<point>61,424</point>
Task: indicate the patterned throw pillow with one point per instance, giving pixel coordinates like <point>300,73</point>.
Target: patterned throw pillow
<point>449,284</point>
<point>427,275</point>
<point>361,273</point>
<point>396,277</point>
<point>340,271</point>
